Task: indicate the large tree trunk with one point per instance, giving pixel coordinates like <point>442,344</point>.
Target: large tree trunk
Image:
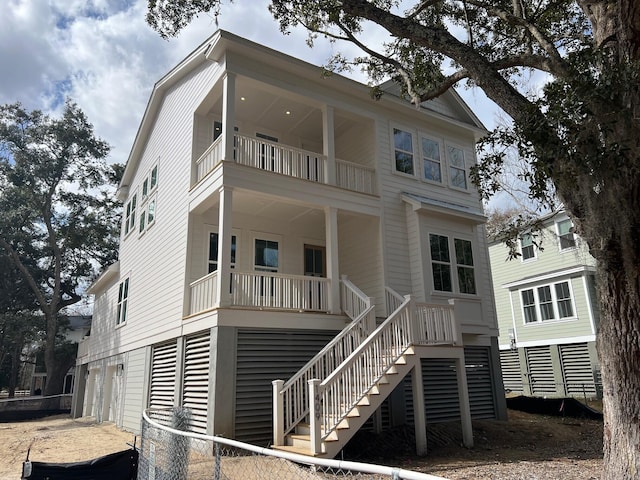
<point>55,378</point>
<point>619,352</point>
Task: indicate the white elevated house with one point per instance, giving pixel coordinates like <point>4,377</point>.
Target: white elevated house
<point>548,312</point>
<point>296,258</point>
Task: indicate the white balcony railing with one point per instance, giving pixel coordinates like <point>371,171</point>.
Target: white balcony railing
<point>356,177</point>
<point>286,160</point>
<point>436,324</point>
<point>279,291</point>
<point>204,293</point>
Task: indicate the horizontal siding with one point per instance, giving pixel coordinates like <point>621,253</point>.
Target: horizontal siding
<point>133,396</point>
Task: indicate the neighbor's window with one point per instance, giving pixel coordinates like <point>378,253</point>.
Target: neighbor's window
<point>547,302</point>
<point>403,147</point>
<point>431,160</point>
<point>464,264</point>
<point>123,297</point>
<point>457,168</point>
<point>529,306</point>
<point>527,248</point>
<point>565,234</point>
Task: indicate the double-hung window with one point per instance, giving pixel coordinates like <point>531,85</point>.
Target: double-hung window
<point>547,302</point>
<point>266,255</point>
<point>148,200</point>
<point>566,235</point>
<point>457,168</point>
<point>431,160</point>
<point>123,299</point>
<point>130,214</point>
<point>527,247</point>
<point>444,277</point>
<point>403,151</point>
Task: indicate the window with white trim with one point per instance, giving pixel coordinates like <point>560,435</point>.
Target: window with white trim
<point>403,151</point>
<point>547,302</point>
<point>431,162</point>
<point>457,167</point>
<point>444,278</point>
<point>566,236</point>
<point>130,214</point>
<point>527,247</point>
<point>266,255</point>
<point>148,200</point>
<point>123,300</point>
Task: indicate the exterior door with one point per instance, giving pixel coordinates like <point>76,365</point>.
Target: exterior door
<point>315,265</point>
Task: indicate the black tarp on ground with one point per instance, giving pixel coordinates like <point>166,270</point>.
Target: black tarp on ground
<point>561,407</point>
<point>115,466</point>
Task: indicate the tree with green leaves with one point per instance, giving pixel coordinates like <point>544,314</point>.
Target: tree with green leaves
<point>579,132</point>
<point>59,224</point>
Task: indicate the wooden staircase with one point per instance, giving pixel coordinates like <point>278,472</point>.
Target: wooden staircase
<point>320,408</point>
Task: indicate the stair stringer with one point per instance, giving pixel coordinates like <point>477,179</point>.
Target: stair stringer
<point>384,388</point>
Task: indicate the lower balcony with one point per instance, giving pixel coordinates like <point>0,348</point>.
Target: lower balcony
<point>262,290</point>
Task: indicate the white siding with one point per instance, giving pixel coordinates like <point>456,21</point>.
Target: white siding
<point>134,396</point>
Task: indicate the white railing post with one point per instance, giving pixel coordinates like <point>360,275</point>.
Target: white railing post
<point>371,322</point>
<point>414,332</point>
<point>278,413</point>
<point>455,327</point>
<point>315,416</point>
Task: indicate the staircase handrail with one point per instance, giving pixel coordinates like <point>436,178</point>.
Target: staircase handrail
<point>352,300</point>
<point>294,391</point>
<point>393,299</point>
<point>352,379</point>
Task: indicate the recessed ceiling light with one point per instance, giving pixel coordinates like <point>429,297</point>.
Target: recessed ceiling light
<point>287,112</point>
<point>242,98</point>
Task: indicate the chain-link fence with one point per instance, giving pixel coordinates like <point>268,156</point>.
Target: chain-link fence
<point>168,453</point>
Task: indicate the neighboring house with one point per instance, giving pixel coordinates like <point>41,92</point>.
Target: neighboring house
<point>261,199</point>
<point>547,312</point>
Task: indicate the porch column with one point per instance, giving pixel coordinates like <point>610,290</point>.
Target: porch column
<point>419,415</point>
<point>333,273</point>
<point>328,144</point>
<point>224,246</point>
<point>463,394</point>
<point>228,115</point>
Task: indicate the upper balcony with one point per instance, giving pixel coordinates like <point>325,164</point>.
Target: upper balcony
<point>284,133</point>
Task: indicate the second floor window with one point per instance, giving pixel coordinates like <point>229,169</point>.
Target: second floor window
<point>266,255</point>
<point>443,277</point>
<point>566,235</point>
<point>431,160</point>
<point>213,252</point>
<point>527,247</point>
<point>123,300</point>
<point>130,214</point>
<point>457,168</point>
<point>403,147</point>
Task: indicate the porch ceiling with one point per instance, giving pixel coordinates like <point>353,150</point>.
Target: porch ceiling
<point>277,110</point>
<point>273,209</point>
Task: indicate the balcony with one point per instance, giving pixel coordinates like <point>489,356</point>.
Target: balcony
<point>289,161</point>
<point>262,290</point>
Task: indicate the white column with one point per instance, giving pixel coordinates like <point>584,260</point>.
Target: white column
<point>333,273</point>
<point>419,417</point>
<point>328,144</point>
<point>463,394</point>
<point>228,115</point>
<point>224,246</point>
<point>278,412</point>
<point>315,415</point>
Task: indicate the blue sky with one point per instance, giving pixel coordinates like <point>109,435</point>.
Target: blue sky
<point>103,55</point>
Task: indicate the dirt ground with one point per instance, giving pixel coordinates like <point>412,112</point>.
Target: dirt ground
<point>527,447</point>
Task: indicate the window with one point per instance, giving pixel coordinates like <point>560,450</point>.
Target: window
<point>431,160</point>
<point>130,215</point>
<point>403,146</point>
<point>457,168</point>
<point>547,302</point>
<point>443,280</point>
<point>565,234</point>
<point>529,306</point>
<point>440,262</point>
<point>266,256</point>
<point>148,202</point>
<point>464,264</point>
<point>213,252</point>
<point>527,248</point>
<point>123,297</point>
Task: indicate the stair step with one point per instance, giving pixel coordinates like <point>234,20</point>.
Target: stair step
<point>292,449</point>
<point>300,441</point>
<point>364,401</point>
